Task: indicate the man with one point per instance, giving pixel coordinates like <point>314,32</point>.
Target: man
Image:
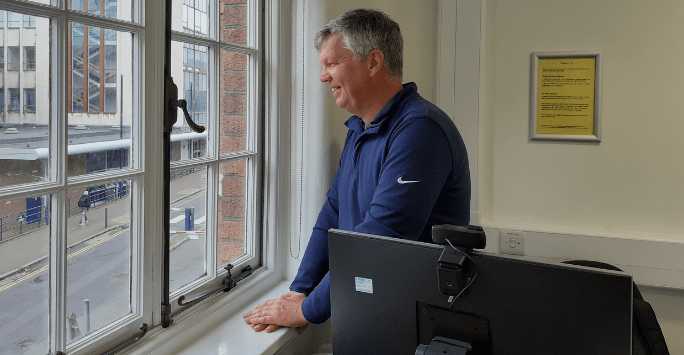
<point>84,203</point>
<point>403,169</point>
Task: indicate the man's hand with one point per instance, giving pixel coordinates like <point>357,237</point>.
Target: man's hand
<point>285,311</point>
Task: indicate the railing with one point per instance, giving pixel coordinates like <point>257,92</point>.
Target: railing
<point>17,223</point>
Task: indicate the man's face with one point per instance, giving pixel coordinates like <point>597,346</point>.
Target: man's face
<point>345,76</point>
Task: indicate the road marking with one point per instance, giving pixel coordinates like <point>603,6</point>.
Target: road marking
<point>177,219</point>
<point>46,267</point>
<point>200,220</point>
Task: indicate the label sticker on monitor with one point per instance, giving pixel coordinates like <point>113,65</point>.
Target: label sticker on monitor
<point>364,285</point>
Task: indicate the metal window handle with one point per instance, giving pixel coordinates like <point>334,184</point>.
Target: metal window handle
<point>172,103</point>
<point>194,126</point>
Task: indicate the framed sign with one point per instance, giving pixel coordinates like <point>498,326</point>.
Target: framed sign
<point>565,96</point>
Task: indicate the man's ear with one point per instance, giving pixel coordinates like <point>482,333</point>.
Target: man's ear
<point>377,61</point>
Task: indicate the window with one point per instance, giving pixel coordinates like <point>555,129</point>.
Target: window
<point>13,62</point>
<point>13,20</point>
<point>91,276</point>
<point>2,18</point>
<point>29,21</point>
<point>14,100</point>
<point>94,61</point>
<point>93,69</point>
<point>29,100</point>
<point>2,58</point>
<point>30,58</point>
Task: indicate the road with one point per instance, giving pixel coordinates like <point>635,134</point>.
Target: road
<point>98,270</point>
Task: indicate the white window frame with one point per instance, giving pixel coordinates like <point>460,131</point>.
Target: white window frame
<point>146,173</point>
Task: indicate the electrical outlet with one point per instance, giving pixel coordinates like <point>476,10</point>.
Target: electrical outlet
<point>512,242</point>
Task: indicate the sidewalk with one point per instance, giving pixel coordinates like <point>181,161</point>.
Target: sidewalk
<point>19,253</point>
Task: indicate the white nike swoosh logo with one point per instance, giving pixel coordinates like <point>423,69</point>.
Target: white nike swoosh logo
<point>399,180</point>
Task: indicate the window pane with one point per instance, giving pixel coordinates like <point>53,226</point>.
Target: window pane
<point>77,78</point>
<point>99,259</point>
<point>233,106</point>
<point>190,74</point>
<point>231,211</point>
<point>13,62</point>
<point>76,34</point>
<point>93,99</point>
<point>14,100</point>
<point>110,100</point>
<point>30,58</point>
<point>107,8</point>
<point>90,130</point>
<point>110,57</point>
<point>29,100</point>
<point>13,20</point>
<point>2,18</point>
<point>29,21</point>
<point>188,215</point>
<point>77,100</point>
<point>24,284</point>
<point>234,22</point>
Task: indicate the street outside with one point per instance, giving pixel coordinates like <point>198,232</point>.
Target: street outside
<point>98,269</point>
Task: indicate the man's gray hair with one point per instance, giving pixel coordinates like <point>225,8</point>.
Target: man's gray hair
<point>365,30</point>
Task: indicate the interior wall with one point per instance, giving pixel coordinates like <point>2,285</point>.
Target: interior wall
<point>620,200</point>
<point>631,180</point>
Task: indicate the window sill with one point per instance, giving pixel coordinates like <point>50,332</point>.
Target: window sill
<point>221,331</point>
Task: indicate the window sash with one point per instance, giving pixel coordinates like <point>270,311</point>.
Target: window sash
<point>143,173</point>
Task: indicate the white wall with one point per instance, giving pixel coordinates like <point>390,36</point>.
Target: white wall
<point>618,201</point>
<point>630,180</point>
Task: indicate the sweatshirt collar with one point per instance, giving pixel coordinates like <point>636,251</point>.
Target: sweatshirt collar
<point>356,124</point>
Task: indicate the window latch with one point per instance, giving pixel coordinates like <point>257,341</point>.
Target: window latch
<point>172,103</point>
<point>228,284</point>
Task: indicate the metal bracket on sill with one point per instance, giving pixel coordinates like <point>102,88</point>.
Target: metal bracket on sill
<point>228,284</point>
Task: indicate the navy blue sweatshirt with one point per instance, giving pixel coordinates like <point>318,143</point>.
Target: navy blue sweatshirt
<point>397,178</point>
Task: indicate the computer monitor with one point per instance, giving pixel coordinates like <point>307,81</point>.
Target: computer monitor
<point>386,300</point>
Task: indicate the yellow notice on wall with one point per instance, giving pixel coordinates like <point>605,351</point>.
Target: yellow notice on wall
<point>565,101</point>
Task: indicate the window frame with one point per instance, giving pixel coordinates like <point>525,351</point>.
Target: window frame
<point>146,173</point>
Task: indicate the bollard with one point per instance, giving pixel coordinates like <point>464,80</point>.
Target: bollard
<point>86,312</point>
<point>189,218</point>
<point>70,329</point>
<point>105,217</point>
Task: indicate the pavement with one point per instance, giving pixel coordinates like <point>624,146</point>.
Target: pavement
<point>19,253</point>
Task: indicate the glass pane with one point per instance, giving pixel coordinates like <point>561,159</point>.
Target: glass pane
<point>195,19</point>
<point>234,24</point>
<point>99,257</point>
<point>107,8</point>
<point>29,58</point>
<point>77,100</point>
<point>13,58</point>
<point>93,100</point>
<point>233,106</point>
<point>13,20</point>
<point>100,116</point>
<point>190,73</point>
<point>231,211</point>
<point>77,78</point>
<point>24,281</point>
<point>187,227</point>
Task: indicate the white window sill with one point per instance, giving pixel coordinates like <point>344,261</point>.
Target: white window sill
<point>221,332</point>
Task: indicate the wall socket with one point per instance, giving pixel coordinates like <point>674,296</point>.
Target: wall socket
<point>512,242</point>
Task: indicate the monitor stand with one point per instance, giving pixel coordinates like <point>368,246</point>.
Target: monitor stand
<point>444,346</point>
